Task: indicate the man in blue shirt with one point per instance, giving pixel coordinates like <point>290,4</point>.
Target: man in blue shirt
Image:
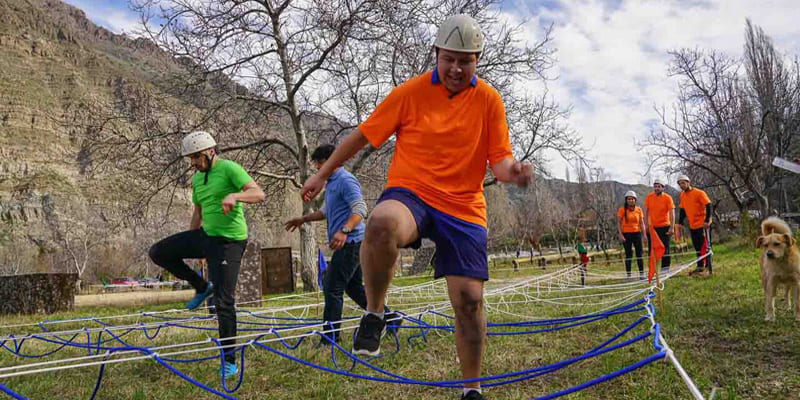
<point>345,210</point>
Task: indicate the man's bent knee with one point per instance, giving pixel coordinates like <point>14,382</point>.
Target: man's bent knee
<point>382,227</point>
<point>390,224</point>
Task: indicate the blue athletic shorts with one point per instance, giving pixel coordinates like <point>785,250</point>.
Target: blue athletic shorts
<point>460,245</point>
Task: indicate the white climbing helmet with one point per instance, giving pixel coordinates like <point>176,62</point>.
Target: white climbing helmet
<point>684,178</point>
<point>461,33</point>
<point>658,181</point>
<point>195,142</point>
<point>630,193</point>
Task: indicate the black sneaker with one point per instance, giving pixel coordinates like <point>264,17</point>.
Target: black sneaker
<point>368,336</point>
<point>393,320</point>
<point>472,395</point>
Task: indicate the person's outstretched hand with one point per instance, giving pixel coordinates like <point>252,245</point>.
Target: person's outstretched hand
<point>312,187</point>
<point>522,173</point>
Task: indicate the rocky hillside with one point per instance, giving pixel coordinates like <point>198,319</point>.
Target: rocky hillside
<point>55,66</point>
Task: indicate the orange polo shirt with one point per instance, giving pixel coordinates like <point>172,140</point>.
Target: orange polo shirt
<point>443,142</point>
<point>631,225</point>
<point>694,203</point>
<point>658,207</point>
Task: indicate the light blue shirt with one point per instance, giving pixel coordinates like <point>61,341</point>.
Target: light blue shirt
<point>341,190</point>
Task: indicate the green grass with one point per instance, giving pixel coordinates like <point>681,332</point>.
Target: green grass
<point>714,325</point>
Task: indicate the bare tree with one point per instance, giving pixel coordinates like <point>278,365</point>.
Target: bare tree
<point>273,47</point>
<point>273,78</point>
<point>732,117</point>
<point>78,235</point>
<point>325,64</point>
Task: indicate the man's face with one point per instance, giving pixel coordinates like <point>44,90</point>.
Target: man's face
<point>658,188</point>
<point>456,69</point>
<point>199,161</point>
<point>684,185</point>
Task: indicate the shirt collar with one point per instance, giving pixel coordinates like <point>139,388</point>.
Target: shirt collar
<point>435,79</point>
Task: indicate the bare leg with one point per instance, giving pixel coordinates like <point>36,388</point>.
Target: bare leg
<point>389,228</point>
<point>466,296</point>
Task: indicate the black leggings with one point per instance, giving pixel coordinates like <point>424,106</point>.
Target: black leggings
<point>633,239</point>
<point>223,257</point>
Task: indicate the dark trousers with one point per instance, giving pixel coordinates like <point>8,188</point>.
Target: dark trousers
<point>223,257</point>
<point>661,232</point>
<point>343,275</point>
<point>633,240</point>
<point>698,237</point>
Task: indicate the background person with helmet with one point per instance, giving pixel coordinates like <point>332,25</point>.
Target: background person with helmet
<point>630,225</point>
<point>448,125</point>
<point>695,206</point>
<point>217,232</point>
<point>659,210</point>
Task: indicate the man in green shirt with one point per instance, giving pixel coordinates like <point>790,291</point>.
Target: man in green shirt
<point>217,232</point>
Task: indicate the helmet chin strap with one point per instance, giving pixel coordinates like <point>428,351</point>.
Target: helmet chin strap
<point>208,162</point>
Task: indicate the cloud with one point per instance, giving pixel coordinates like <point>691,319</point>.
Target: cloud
<point>613,59</point>
<point>114,15</point>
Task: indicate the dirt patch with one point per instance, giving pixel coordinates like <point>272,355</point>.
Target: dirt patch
<point>132,298</point>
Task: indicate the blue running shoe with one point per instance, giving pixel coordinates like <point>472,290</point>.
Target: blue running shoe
<point>199,297</point>
<point>229,370</point>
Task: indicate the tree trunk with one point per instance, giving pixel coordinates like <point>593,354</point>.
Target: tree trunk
<point>763,205</point>
<point>308,247</point>
<point>308,255</point>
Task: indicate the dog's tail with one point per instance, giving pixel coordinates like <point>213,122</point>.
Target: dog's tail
<point>775,225</point>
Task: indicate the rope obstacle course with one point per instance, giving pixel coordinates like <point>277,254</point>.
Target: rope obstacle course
<point>281,328</point>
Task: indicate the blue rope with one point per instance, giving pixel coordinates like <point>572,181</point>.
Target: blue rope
<point>450,383</point>
<point>424,328</point>
<point>222,366</point>
<point>17,349</point>
<point>99,378</point>
<point>192,381</point>
<point>11,393</point>
<point>539,371</point>
<point>606,377</point>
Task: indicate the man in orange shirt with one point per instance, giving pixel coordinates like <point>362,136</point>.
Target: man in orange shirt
<point>448,124</point>
<point>695,206</point>
<point>659,210</point>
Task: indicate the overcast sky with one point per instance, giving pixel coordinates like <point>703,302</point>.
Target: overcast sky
<point>612,58</point>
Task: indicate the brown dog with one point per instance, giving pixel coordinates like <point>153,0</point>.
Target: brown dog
<point>780,264</point>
